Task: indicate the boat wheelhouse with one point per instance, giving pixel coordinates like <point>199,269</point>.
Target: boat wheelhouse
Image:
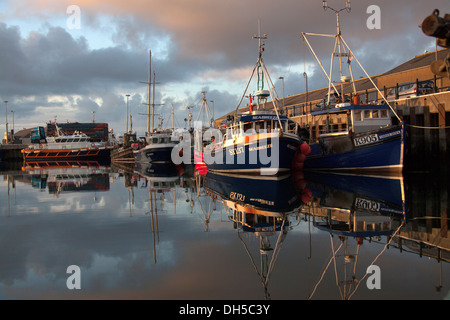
<point>158,149</point>
<point>368,140</point>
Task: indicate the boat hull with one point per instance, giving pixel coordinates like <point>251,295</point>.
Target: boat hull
<point>158,154</point>
<point>374,152</point>
<point>269,156</point>
<point>82,154</point>
<point>257,195</point>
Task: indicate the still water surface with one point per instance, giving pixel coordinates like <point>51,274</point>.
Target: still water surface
<point>178,233</point>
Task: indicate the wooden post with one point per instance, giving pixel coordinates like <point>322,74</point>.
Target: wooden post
<point>442,135</point>
<point>443,207</point>
<point>427,132</point>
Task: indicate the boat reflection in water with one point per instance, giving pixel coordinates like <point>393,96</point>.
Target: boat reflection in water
<point>261,206</point>
<point>66,176</point>
<point>359,208</point>
<point>160,178</point>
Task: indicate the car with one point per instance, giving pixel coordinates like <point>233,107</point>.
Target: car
<point>411,89</point>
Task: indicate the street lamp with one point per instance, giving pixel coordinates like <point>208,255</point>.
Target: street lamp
<point>212,101</point>
<point>127,111</point>
<point>305,75</point>
<point>12,111</point>
<point>282,81</point>
<point>6,119</point>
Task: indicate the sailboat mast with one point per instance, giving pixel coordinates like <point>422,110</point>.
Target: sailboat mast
<point>153,103</point>
<point>173,127</point>
<point>148,97</point>
<point>338,38</point>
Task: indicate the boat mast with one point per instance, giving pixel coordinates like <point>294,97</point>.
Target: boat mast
<point>205,107</point>
<point>260,72</point>
<point>172,119</point>
<point>341,52</point>
<point>260,65</point>
<point>153,103</point>
<point>148,97</point>
<point>350,56</point>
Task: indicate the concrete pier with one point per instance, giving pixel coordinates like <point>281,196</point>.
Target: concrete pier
<point>11,152</point>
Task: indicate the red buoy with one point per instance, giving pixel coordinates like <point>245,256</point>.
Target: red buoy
<point>305,148</point>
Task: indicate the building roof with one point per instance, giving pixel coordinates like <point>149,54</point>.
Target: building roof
<point>419,61</point>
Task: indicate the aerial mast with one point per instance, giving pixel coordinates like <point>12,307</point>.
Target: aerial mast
<point>149,80</point>
<point>339,46</point>
<point>260,72</point>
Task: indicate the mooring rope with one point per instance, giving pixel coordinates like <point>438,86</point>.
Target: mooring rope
<point>425,127</point>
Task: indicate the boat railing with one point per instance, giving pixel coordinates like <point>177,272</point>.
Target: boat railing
<point>273,128</point>
<point>334,134</point>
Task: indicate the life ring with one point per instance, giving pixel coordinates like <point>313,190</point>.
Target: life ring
<point>41,146</point>
<point>93,145</point>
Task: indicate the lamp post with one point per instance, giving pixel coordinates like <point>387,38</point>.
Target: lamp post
<point>6,119</point>
<point>212,101</point>
<point>127,111</point>
<point>305,75</point>
<point>12,111</point>
<point>282,82</point>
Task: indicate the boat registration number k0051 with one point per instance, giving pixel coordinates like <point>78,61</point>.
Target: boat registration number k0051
<point>360,141</point>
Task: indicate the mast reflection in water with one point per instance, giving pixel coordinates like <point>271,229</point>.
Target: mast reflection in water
<point>182,233</point>
<point>261,206</point>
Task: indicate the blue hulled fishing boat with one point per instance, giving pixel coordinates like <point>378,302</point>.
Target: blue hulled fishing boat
<point>257,141</point>
<point>347,135</point>
<point>158,149</point>
<point>371,143</point>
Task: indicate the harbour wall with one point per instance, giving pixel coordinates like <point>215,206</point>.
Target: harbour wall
<point>427,120</point>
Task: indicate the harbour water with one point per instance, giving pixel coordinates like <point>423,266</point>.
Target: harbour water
<point>139,235</point>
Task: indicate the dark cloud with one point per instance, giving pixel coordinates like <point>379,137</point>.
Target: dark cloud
<point>194,46</point>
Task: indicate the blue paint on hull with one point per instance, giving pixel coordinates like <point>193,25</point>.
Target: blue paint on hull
<point>254,157</point>
<point>383,154</point>
<point>160,154</point>
<point>277,194</point>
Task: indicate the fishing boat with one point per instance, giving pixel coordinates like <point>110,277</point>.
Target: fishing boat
<point>347,135</point>
<point>259,141</point>
<point>370,144</point>
<point>67,146</point>
<point>158,149</point>
<point>159,145</point>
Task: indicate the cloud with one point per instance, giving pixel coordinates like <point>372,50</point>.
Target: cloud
<point>195,44</point>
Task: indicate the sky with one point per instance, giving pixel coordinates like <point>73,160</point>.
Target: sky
<point>77,60</point>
